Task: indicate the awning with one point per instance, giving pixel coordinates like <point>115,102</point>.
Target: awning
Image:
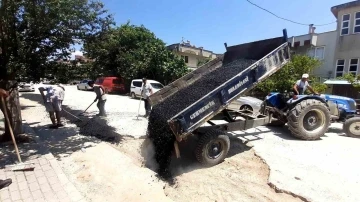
<point>336,82</point>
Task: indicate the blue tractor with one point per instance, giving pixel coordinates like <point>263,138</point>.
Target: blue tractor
<point>309,116</point>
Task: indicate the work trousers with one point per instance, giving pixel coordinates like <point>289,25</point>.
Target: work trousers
<point>101,106</point>
<point>147,106</point>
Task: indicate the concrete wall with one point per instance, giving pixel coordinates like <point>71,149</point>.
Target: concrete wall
<point>347,46</point>
<point>194,54</point>
<point>327,40</point>
<point>192,59</point>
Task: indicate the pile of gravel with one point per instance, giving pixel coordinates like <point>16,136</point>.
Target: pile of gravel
<point>158,129</point>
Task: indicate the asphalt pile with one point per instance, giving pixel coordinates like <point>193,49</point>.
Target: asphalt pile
<point>158,129</point>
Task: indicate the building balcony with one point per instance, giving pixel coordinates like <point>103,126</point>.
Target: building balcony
<point>307,40</point>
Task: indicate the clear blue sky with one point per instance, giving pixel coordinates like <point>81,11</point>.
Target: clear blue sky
<point>210,23</point>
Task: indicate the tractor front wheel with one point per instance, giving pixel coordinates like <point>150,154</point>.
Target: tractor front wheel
<point>309,119</point>
<point>352,127</point>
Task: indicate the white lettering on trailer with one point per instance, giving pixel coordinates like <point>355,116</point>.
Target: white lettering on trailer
<point>238,85</point>
<point>202,110</point>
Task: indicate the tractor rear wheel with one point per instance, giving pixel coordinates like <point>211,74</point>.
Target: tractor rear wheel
<point>309,119</point>
<point>352,127</point>
<point>212,148</point>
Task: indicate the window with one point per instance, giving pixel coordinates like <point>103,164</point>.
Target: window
<point>297,44</point>
<point>345,24</point>
<point>317,52</point>
<point>340,64</point>
<point>137,83</point>
<point>353,66</point>
<point>157,85</point>
<point>117,81</point>
<point>186,58</point>
<point>307,42</point>
<point>357,22</point>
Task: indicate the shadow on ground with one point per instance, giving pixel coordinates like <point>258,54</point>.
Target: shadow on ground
<point>28,150</point>
<point>68,139</point>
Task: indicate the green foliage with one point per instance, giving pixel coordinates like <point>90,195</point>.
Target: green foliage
<point>132,52</point>
<point>352,79</point>
<point>319,87</point>
<point>284,79</point>
<point>32,32</point>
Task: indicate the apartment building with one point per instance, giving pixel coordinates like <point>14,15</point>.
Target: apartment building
<point>191,54</point>
<point>339,50</point>
<point>320,46</point>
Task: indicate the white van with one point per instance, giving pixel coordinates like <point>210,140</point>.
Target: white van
<point>136,86</point>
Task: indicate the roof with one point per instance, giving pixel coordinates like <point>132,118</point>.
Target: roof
<point>172,46</point>
<point>337,82</point>
<point>335,9</point>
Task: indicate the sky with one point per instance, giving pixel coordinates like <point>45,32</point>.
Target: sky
<point>211,23</point>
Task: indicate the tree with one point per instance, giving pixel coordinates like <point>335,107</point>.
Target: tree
<point>131,51</point>
<point>34,32</point>
<point>352,79</point>
<point>285,78</point>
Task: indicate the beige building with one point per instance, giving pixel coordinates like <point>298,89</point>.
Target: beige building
<point>347,51</point>
<point>318,45</point>
<point>339,50</point>
<point>191,54</point>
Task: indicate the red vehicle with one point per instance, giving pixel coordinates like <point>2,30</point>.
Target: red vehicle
<point>112,84</point>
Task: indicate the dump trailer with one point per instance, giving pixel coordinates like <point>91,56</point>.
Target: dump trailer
<point>270,56</point>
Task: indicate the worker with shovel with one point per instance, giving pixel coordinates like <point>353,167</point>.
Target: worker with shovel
<point>53,103</point>
<point>4,183</point>
<point>100,97</point>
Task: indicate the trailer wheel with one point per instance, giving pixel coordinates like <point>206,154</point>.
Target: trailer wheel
<point>212,147</point>
<point>309,119</point>
<point>352,127</point>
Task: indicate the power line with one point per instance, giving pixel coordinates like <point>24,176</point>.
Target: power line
<point>287,19</point>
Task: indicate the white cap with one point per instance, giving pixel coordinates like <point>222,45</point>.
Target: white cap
<point>305,76</point>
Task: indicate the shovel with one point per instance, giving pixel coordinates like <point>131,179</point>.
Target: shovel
<point>82,113</point>
<point>137,118</point>
<point>19,166</point>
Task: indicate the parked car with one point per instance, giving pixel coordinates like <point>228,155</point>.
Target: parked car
<point>83,85</point>
<point>26,87</point>
<point>136,85</point>
<point>112,84</point>
<point>246,103</point>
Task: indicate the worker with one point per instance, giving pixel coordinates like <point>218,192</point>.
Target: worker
<point>100,97</point>
<point>303,84</point>
<point>53,103</point>
<point>146,91</point>
<point>3,93</point>
<point>4,183</point>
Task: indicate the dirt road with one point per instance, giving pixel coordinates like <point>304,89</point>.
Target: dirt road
<point>101,172</point>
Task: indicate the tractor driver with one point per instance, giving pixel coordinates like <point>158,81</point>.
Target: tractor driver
<point>302,84</point>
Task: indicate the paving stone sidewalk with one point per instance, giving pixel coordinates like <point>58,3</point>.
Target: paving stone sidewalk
<point>46,183</point>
